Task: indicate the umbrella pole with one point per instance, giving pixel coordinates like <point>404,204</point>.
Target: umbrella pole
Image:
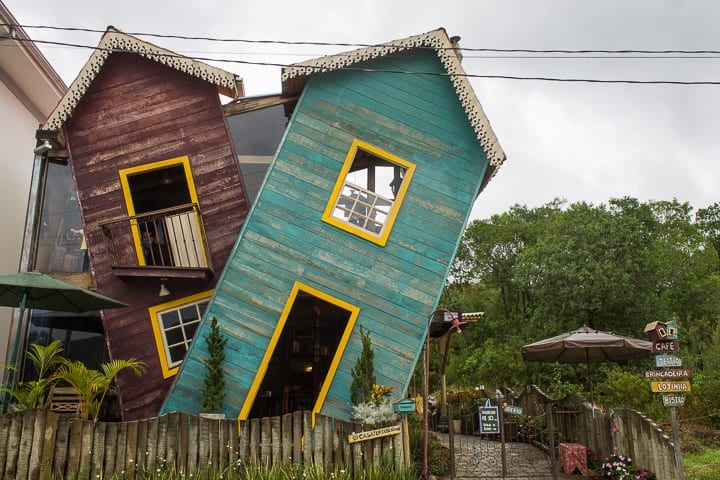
<point>13,356</point>
<point>592,396</point>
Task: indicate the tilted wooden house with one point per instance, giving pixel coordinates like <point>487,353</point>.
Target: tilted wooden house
<point>355,227</point>
<point>161,196</point>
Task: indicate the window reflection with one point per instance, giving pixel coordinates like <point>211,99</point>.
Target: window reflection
<point>61,245</point>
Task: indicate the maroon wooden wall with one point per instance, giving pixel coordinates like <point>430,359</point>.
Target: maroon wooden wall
<point>135,112</point>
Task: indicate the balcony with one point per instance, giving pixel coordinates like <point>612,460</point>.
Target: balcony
<point>168,243</point>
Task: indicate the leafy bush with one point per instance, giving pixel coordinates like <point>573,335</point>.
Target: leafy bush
<point>438,455</point>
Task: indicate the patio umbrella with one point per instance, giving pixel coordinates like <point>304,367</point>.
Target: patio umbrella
<point>586,345</point>
<point>37,290</point>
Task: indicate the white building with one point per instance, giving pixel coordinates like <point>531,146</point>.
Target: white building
<point>29,90</point>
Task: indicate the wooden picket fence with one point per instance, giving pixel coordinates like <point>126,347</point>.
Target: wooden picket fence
<point>40,444</point>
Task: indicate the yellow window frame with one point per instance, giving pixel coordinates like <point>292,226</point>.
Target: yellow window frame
<point>260,375</point>
<point>125,173</point>
<point>381,238</point>
<point>160,342</point>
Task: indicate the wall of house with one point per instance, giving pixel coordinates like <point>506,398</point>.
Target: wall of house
<point>17,137</point>
<point>396,287</point>
<point>136,112</point>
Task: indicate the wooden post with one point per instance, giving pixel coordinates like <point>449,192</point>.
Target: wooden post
<point>551,438</point>
<point>406,442</point>
<point>676,444</point>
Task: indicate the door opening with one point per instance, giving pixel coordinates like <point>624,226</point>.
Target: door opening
<point>301,363</point>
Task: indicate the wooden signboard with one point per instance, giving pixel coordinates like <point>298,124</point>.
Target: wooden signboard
<point>665,346</point>
<point>673,400</point>
<point>372,434</point>
<point>667,361</point>
<point>670,387</point>
<point>674,373</point>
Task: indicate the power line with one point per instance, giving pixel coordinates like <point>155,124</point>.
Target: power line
<point>369,70</point>
<point>341,44</point>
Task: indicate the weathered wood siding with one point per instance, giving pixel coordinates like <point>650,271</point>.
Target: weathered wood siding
<point>136,112</point>
<point>416,117</point>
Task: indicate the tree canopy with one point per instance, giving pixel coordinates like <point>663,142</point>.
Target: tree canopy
<point>615,267</point>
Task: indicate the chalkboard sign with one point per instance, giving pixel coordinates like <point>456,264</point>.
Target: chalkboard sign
<point>489,419</point>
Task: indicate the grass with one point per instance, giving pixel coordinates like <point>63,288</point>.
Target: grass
<point>273,472</point>
<point>702,465</point>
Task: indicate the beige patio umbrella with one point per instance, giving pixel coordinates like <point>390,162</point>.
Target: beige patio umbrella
<point>587,345</point>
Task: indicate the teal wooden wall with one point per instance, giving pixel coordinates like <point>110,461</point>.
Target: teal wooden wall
<point>416,117</point>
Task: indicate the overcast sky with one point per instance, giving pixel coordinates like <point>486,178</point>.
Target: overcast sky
<point>577,141</point>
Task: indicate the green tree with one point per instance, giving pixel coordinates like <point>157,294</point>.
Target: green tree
<point>213,391</point>
<point>363,373</point>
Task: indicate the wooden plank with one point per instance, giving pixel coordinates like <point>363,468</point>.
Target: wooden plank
<point>307,428</point>
<point>99,451</point>
<point>297,437</point>
<point>152,444</point>
<point>111,445</point>
<point>86,448</point>
<point>74,451</point>
<point>265,441</point>
<point>37,442</point>
<point>224,458</point>
<point>192,449</point>
<point>13,446</point>
<point>234,441</point>
<point>26,442</point>
<point>142,446</point>
<point>327,440</point>
<point>120,450</point>
<point>5,421</point>
<point>47,447</point>
<point>318,437</point>
<point>131,449</point>
<point>62,446</point>
<point>276,440</point>
<point>243,448</point>
<point>254,440</point>
<point>347,451</point>
<point>204,443</point>
<point>287,436</point>
<point>182,443</point>
<point>171,436</point>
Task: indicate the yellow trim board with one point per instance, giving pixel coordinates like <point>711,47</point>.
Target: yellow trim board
<point>148,167</point>
<point>262,369</point>
<point>387,226</point>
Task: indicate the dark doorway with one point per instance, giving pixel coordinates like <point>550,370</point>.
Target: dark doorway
<point>302,358</point>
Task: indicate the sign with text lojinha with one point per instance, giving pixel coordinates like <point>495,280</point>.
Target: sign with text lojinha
<point>670,387</point>
<point>372,434</point>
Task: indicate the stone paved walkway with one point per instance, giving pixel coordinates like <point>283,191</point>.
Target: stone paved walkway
<point>479,459</point>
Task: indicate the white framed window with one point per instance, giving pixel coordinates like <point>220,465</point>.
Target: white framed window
<point>174,325</point>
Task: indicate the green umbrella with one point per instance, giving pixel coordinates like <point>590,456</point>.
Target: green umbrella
<point>37,290</point>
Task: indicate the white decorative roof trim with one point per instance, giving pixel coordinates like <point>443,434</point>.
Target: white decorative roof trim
<point>437,40</point>
<point>114,41</point>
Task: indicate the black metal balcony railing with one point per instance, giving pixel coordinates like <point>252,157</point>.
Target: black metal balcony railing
<point>172,239</point>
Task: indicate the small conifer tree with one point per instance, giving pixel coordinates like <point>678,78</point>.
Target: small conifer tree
<point>363,373</point>
<point>213,393</point>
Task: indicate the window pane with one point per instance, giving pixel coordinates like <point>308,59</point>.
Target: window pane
<point>189,313</point>
<point>170,319</point>
<point>174,336</point>
<point>177,353</point>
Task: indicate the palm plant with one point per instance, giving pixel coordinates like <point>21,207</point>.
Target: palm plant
<point>34,393</point>
<point>92,386</point>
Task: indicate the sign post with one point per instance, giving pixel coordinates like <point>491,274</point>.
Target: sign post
<point>664,337</point>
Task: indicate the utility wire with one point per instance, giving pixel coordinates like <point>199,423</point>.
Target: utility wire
<point>340,44</point>
<point>370,70</point>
